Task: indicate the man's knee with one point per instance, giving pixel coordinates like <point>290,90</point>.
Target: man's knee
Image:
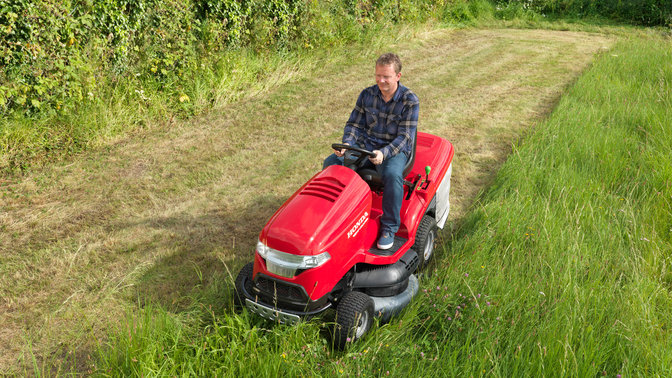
<point>331,160</point>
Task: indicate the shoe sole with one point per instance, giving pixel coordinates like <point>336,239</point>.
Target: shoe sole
<point>385,246</point>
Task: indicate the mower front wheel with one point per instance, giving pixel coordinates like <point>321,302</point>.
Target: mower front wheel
<point>354,317</point>
<point>243,280</point>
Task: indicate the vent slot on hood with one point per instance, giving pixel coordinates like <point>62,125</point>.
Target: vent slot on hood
<point>327,188</point>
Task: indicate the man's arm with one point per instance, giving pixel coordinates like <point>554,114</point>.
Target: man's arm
<point>354,128</point>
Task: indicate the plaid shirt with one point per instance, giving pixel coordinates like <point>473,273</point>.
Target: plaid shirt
<point>388,127</point>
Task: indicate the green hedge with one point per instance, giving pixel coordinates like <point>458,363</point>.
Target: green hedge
<point>55,54</point>
<point>638,12</point>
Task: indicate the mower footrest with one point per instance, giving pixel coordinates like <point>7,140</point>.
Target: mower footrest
<point>398,242</point>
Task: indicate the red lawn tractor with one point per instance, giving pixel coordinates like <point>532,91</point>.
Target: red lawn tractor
<point>318,251</point>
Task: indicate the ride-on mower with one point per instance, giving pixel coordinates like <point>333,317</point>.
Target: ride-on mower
<point>318,251</point>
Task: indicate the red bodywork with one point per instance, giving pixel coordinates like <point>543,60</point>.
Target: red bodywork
<point>337,212</point>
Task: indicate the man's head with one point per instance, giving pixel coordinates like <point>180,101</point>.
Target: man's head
<point>388,73</point>
<point>390,58</point>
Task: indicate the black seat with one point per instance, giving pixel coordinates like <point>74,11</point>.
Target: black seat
<point>375,180</point>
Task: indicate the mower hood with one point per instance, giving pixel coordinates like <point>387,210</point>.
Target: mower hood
<point>333,205</point>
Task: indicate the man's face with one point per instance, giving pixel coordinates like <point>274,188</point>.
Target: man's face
<point>387,79</point>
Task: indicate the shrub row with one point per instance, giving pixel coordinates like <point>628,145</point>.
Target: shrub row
<point>55,54</point>
<point>638,12</point>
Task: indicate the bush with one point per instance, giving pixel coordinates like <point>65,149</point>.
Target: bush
<point>641,12</point>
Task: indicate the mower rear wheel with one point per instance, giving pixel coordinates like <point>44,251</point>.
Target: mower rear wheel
<point>354,317</point>
<point>243,280</point>
<point>424,240</point>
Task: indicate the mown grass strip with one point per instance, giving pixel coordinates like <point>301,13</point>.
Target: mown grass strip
<point>562,269</point>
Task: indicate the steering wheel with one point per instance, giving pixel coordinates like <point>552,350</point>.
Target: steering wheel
<point>363,154</point>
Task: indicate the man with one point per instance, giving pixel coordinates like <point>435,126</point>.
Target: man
<point>384,121</point>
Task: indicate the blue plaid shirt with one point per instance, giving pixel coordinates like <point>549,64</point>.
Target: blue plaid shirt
<point>388,127</point>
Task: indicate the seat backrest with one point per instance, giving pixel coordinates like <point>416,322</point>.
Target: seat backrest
<point>411,159</point>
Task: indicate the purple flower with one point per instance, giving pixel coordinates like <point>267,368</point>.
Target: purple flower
<point>487,303</point>
<point>422,354</point>
<point>466,274</point>
<point>449,318</point>
<point>348,340</point>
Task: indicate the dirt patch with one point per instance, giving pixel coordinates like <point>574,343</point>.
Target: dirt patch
<point>166,214</point>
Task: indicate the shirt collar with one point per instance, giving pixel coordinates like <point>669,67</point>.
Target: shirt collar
<point>397,94</point>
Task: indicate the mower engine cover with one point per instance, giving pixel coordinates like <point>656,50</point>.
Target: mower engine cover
<point>319,226</point>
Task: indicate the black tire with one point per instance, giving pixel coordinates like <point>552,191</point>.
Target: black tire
<point>424,240</point>
<point>243,280</point>
<point>354,317</point>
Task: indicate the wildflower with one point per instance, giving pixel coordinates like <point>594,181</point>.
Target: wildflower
<point>184,98</point>
<point>466,274</point>
<point>348,340</point>
<point>284,355</point>
<point>422,354</point>
<point>487,303</point>
<point>449,318</point>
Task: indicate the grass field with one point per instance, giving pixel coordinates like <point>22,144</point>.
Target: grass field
<point>120,261</point>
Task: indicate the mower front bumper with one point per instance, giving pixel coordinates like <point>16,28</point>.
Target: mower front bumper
<point>271,313</point>
<point>281,315</point>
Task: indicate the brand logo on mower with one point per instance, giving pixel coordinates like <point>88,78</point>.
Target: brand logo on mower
<point>358,226</point>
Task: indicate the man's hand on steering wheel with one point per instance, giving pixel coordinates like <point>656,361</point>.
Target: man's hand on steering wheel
<point>378,159</point>
<point>340,152</point>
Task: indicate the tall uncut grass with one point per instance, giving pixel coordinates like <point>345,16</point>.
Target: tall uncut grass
<point>564,267</point>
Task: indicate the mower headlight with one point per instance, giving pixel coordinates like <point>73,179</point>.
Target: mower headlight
<point>286,264</point>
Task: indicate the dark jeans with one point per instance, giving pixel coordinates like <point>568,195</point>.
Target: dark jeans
<point>391,170</point>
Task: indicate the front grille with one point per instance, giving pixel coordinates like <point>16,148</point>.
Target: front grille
<point>278,291</point>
